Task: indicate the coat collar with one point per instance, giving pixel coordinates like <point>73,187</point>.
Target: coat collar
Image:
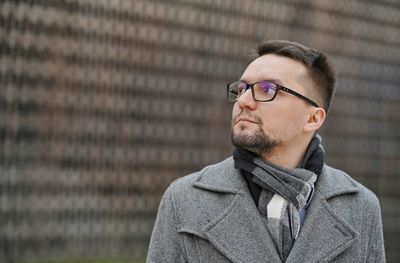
<point>221,177</point>
<point>238,233</point>
<point>224,178</point>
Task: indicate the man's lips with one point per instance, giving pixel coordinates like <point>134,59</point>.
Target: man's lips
<point>245,119</point>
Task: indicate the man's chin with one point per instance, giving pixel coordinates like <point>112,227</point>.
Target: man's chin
<point>247,130</point>
<point>243,136</point>
<point>244,139</point>
<point>253,141</point>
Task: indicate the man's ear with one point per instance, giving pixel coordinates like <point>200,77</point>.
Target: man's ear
<point>316,118</point>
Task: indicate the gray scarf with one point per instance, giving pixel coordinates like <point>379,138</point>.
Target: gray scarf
<point>284,194</point>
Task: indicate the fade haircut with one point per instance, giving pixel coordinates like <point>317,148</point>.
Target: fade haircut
<point>320,70</point>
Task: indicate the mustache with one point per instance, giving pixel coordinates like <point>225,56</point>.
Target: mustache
<point>246,114</point>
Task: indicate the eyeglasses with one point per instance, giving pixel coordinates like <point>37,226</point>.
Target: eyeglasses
<point>262,91</point>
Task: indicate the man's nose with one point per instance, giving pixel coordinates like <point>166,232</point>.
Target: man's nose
<point>246,100</point>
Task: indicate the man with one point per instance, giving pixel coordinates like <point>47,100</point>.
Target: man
<point>275,200</point>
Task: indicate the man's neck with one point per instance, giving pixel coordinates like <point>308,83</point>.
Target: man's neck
<point>287,157</point>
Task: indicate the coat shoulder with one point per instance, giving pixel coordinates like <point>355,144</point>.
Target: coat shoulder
<point>219,176</point>
<point>183,184</point>
<point>194,199</point>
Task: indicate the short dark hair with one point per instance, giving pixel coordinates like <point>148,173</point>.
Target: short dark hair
<point>320,70</point>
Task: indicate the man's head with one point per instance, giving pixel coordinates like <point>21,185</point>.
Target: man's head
<point>288,119</point>
<point>319,71</point>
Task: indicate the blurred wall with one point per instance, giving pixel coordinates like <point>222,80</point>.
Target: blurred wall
<point>104,103</point>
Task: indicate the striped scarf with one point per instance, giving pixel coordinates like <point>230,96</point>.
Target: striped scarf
<point>284,193</point>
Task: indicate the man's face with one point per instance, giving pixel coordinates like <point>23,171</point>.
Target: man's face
<point>261,127</point>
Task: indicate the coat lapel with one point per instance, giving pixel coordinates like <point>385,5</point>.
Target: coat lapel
<point>324,234</point>
<point>237,232</point>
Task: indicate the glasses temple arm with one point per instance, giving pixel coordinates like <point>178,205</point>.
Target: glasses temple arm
<point>299,95</point>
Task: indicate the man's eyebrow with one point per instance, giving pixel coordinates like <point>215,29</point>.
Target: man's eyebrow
<point>277,81</point>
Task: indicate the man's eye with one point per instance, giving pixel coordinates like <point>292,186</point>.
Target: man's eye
<point>267,87</point>
<point>242,90</point>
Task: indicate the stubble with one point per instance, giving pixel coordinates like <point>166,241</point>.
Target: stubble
<point>257,142</point>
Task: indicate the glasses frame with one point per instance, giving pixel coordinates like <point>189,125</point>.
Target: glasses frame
<point>278,88</point>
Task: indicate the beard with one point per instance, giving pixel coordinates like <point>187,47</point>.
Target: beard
<point>257,142</point>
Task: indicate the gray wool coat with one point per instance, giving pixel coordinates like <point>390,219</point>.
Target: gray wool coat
<point>210,216</point>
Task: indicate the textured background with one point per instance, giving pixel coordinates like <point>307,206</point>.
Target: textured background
<point>104,103</point>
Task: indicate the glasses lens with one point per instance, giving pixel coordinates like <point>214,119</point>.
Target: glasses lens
<point>264,90</point>
<point>236,89</point>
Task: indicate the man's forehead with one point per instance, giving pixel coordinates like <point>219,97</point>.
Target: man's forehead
<point>276,67</point>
